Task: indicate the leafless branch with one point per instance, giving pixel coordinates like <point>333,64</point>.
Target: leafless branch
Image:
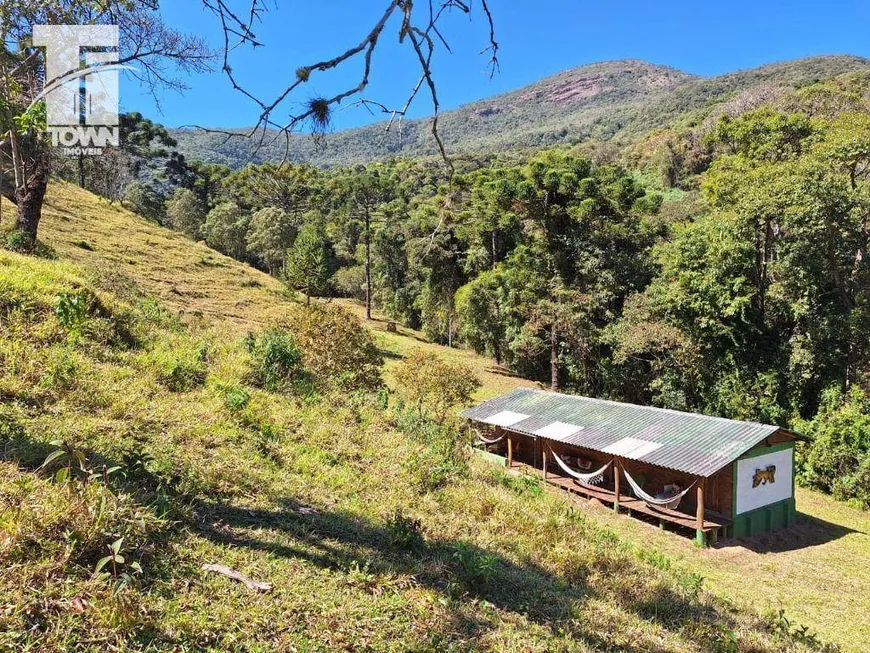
<point>420,35</point>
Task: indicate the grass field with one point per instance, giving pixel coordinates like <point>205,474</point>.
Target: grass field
<point>308,497</point>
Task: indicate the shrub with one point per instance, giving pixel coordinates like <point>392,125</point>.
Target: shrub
<point>838,458</point>
<point>185,212</point>
<point>475,568</point>
<point>236,397</point>
<point>433,386</point>
<point>350,282</point>
<point>145,201</point>
<point>336,348</point>
<point>275,360</point>
<point>444,455</point>
<point>18,241</point>
<point>71,310</point>
<point>181,364</point>
<point>404,532</point>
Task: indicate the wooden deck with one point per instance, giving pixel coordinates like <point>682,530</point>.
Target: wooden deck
<point>713,522</point>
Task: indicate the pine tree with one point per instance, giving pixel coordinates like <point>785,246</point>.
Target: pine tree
<point>307,265</point>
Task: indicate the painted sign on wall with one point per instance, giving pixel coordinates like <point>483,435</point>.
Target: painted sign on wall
<point>763,480</point>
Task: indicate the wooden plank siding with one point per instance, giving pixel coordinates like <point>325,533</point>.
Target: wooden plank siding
<point>528,451</point>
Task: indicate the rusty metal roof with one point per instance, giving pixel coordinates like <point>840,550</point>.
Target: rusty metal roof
<point>687,442</point>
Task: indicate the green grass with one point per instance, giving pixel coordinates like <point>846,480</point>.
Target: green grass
<point>377,531</point>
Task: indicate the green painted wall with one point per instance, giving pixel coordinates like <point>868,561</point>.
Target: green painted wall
<point>764,520</point>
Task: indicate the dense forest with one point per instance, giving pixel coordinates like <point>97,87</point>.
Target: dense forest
<point>714,266</point>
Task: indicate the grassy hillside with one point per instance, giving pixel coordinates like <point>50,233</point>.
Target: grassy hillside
<point>373,532</point>
<point>618,99</point>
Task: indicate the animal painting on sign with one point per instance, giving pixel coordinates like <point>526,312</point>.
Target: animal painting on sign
<point>764,476</point>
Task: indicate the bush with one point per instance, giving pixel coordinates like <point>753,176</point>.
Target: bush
<point>838,458</point>
<point>145,201</point>
<point>474,568</point>
<point>433,386</point>
<point>185,212</point>
<point>350,282</point>
<point>336,348</point>
<point>181,364</point>
<point>18,241</point>
<point>404,532</point>
<point>275,359</point>
<point>443,456</point>
<point>71,310</point>
<point>236,397</point>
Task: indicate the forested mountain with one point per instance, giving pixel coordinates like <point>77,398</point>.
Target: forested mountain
<point>602,101</point>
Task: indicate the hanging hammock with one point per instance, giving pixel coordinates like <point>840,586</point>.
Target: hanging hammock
<point>670,503</point>
<point>483,440</point>
<point>584,479</point>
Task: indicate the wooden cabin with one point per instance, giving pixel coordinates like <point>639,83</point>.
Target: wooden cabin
<point>711,475</point>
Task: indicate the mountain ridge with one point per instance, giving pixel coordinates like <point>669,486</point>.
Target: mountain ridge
<point>600,101</point>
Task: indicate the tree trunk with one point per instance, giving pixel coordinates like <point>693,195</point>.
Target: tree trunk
<point>496,342</point>
<point>494,248</point>
<point>29,199</point>
<point>368,243</point>
<point>554,359</point>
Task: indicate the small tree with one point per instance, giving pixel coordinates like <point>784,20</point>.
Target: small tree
<point>307,265</point>
<point>336,348</point>
<point>483,311</point>
<point>226,229</point>
<point>185,212</point>
<point>145,201</point>
<point>272,231</point>
<point>434,386</point>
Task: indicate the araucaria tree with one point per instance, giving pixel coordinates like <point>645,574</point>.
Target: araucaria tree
<point>308,267</point>
<point>363,194</point>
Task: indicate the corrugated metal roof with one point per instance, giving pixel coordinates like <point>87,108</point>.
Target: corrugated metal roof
<point>686,442</point>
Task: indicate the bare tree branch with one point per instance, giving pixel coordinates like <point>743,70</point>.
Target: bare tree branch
<point>421,37</point>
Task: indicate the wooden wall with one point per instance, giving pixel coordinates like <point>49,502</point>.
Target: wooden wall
<point>717,491</point>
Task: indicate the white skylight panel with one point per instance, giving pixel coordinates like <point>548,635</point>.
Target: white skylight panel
<point>505,418</point>
<point>632,448</point>
<point>558,430</point>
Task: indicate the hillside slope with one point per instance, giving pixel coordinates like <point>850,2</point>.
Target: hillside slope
<point>623,99</point>
<point>123,250</point>
<point>370,538</point>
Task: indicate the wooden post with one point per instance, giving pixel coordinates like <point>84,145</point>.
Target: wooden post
<point>510,458</point>
<point>701,538</point>
<point>544,461</point>
<point>616,470</point>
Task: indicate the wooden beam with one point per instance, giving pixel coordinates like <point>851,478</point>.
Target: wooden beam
<point>700,513</point>
<point>544,460</point>
<point>510,458</point>
<point>616,472</point>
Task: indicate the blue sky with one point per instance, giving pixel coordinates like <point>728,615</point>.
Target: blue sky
<point>537,39</point>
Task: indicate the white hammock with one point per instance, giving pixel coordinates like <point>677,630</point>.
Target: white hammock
<point>670,503</point>
<point>584,479</point>
<point>485,441</point>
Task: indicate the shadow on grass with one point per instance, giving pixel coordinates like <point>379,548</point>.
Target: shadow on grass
<point>460,571</point>
<point>339,541</point>
<point>808,532</point>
